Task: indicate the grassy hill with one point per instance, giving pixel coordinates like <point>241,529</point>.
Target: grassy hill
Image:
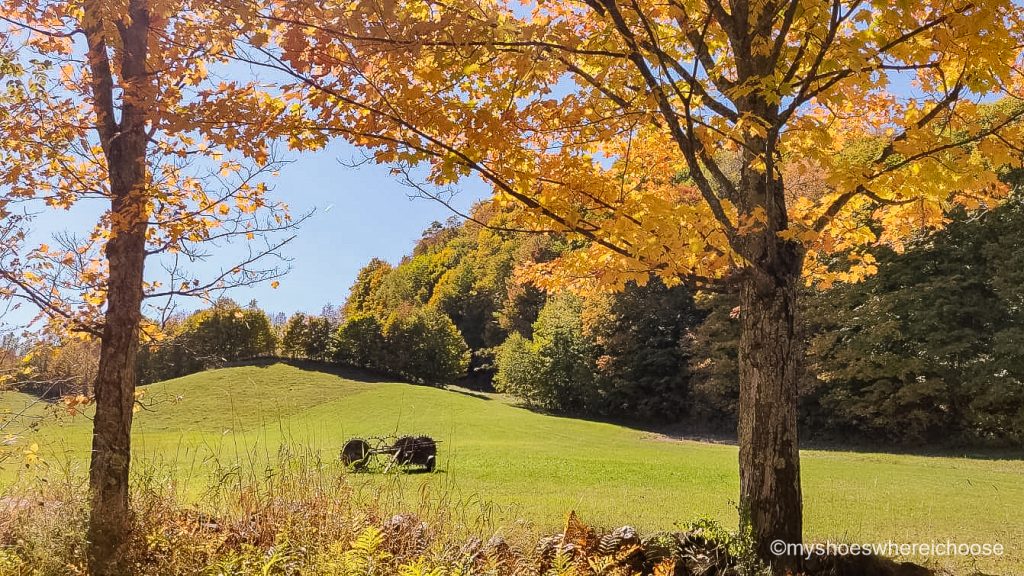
<point>510,463</point>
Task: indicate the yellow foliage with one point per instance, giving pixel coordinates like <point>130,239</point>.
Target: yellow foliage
<point>58,133</point>
<point>650,133</point>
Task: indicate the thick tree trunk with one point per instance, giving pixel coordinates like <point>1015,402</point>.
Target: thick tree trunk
<point>769,364</point>
<point>115,397</point>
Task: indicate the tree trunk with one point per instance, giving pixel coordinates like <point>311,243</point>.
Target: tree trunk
<point>769,364</point>
<point>124,145</point>
<point>109,520</point>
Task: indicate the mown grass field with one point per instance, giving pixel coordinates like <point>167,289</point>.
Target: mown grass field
<point>509,463</point>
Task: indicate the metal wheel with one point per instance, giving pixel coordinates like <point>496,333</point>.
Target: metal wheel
<point>415,450</point>
<point>355,453</point>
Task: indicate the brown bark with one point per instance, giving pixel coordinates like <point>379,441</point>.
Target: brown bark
<point>770,358</point>
<point>109,520</point>
<point>124,143</point>
<point>770,499</point>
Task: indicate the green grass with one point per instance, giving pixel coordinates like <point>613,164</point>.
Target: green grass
<point>512,463</point>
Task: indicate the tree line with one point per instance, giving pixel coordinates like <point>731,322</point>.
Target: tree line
<point>927,351</point>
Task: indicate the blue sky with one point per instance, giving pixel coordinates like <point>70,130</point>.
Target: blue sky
<point>361,213</point>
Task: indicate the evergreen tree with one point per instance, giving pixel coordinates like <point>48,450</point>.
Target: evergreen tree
<point>642,367</point>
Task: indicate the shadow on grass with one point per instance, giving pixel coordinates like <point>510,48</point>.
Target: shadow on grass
<point>470,393</point>
<point>720,435</point>
<point>342,371</point>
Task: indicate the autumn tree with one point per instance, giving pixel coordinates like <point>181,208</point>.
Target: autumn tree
<point>364,290</point>
<point>114,103</point>
<point>672,135</point>
<point>209,338</point>
<point>61,367</point>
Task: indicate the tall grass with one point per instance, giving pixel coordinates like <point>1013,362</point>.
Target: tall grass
<point>290,512</point>
<point>294,512</point>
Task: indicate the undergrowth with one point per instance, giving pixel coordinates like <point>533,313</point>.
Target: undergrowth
<point>300,515</point>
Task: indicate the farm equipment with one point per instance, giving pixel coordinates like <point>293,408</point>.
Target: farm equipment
<point>385,452</point>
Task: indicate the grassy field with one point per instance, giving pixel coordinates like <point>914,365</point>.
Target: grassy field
<point>509,463</point>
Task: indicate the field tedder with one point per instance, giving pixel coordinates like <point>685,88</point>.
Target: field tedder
<point>382,453</point>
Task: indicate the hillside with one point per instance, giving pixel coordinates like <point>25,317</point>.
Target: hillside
<point>537,467</point>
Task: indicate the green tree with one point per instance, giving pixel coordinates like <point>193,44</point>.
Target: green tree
<point>308,337</point>
<point>714,364</point>
<point>295,339</point>
<point>997,409</point>
<point>642,358</point>
<point>423,345</point>
<point>319,332</point>
<point>209,338</point>
<point>555,369</point>
<point>359,342</point>
<point>926,350</point>
<point>466,271</point>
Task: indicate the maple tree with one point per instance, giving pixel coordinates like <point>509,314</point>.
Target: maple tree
<point>674,137</point>
<point>115,102</point>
